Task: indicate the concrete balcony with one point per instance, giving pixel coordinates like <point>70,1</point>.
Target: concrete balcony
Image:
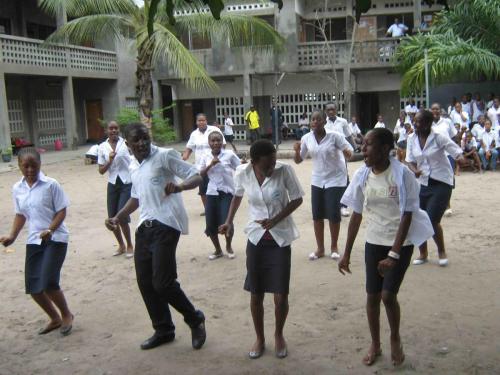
<point>368,54</point>
<point>28,56</point>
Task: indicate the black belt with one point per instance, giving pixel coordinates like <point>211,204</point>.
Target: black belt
<point>150,223</point>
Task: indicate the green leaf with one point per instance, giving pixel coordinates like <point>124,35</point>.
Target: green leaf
<point>153,9</point>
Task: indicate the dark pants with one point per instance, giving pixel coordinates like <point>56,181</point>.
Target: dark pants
<point>156,271</point>
<point>254,135</point>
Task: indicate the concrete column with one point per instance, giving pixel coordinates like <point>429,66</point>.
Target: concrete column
<point>177,113</point>
<point>61,17</point>
<point>417,14</point>
<point>4,115</point>
<point>70,113</point>
<point>247,92</point>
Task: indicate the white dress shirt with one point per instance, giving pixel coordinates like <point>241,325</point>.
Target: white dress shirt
<point>477,131</point>
<point>477,109</point>
<point>354,128</point>
<point>198,143</point>
<point>411,109</point>
<point>456,118</point>
<point>407,190</point>
<point>444,127</point>
<point>379,125</point>
<point>221,174</point>
<point>493,114</point>
<point>149,179</point>
<point>268,200</point>
<point>488,138</point>
<point>397,29</point>
<point>432,159</point>
<point>39,204</point>
<point>340,125</point>
<point>329,168</point>
<point>228,126</point>
<point>120,165</point>
<point>467,107</point>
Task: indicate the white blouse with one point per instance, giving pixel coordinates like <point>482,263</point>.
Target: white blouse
<point>221,174</point>
<point>120,165</point>
<point>198,143</point>
<point>268,200</point>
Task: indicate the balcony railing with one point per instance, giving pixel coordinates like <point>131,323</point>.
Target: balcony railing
<point>21,55</point>
<point>369,53</point>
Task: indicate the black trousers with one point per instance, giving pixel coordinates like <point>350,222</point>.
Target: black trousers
<point>156,271</point>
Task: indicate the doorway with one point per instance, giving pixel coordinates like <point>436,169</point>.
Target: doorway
<point>368,106</point>
<point>94,116</point>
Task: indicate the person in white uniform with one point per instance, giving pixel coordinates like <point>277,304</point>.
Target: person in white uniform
<point>41,201</point>
<point>274,192</point>
<point>494,114</point>
<point>386,193</point>
<point>380,122</point>
<point>397,29</point>
<point>198,143</point>
<point>228,130</point>
<point>156,173</point>
<point>426,157</point>
<point>114,158</point>
<point>329,179</point>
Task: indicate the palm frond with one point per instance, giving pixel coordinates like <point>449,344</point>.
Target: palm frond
<point>449,61</point>
<point>167,49</point>
<point>241,30</point>
<point>93,29</point>
<point>79,8</point>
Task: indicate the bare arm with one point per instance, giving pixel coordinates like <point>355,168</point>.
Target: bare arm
<point>104,167</point>
<point>296,157</point>
<point>352,232</point>
<point>389,262</point>
<point>227,227</point>
<point>289,208</point>
<point>56,223</point>
<point>131,205</point>
<point>17,225</point>
<point>186,154</point>
<point>413,167</point>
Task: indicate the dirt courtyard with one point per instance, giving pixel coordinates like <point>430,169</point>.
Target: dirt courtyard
<point>450,316</point>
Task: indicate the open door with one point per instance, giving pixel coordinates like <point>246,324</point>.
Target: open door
<point>187,119</point>
<point>93,115</point>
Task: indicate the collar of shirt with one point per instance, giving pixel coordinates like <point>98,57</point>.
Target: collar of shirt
<point>408,188</point>
<point>121,162</point>
<point>268,200</point>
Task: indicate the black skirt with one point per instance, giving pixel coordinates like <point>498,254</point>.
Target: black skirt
<point>268,268</point>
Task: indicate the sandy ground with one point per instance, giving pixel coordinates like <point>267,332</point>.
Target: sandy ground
<point>450,316</point>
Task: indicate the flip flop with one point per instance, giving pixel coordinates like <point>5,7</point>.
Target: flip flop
<point>118,253</point>
<point>129,255</point>
<point>48,328</point>
<point>66,330</point>
<point>443,262</point>
<point>314,256</point>
<point>231,255</point>
<point>335,255</point>
<point>418,261</point>
<point>215,256</point>
<point>370,358</point>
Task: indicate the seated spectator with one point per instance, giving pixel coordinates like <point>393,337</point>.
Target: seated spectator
<point>478,130</point>
<point>380,122</point>
<point>303,126</point>
<point>470,153</point>
<point>284,130</point>
<point>356,134</point>
<point>401,142</point>
<point>459,116</point>
<point>488,152</point>
<point>411,107</point>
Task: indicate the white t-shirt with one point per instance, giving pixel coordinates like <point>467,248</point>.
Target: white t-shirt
<point>120,165</point>
<point>456,118</point>
<point>379,125</point>
<point>329,168</point>
<point>477,131</point>
<point>149,179</point>
<point>39,204</point>
<point>397,30</point>
<point>228,126</point>
<point>493,114</point>
<point>467,107</point>
<point>269,199</point>
<point>354,128</point>
<point>468,145</point>
<point>477,109</point>
<point>198,142</point>
<point>221,174</point>
<point>340,125</point>
<point>381,207</point>
<point>303,123</point>
<point>488,138</point>
<point>411,108</point>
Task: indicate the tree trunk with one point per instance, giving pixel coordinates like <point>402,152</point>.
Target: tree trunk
<point>145,86</point>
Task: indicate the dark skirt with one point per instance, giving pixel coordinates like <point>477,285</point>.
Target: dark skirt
<point>43,266</point>
<point>216,210</point>
<point>118,196</point>
<point>434,199</point>
<point>202,189</point>
<point>325,203</point>
<point>268,268</point>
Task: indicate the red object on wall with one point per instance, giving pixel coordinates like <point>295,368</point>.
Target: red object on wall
<point>58,145</point>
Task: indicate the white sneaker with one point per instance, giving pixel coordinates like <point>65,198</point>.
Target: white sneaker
<point>443,262</point>
<point>344,212</point>
<point>335,255</point>
<point>448,212</point>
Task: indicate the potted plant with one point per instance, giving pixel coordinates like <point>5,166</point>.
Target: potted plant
<point>7,154</point>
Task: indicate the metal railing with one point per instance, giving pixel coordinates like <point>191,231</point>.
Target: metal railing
<point>325,54</point>
<point>27,52</point>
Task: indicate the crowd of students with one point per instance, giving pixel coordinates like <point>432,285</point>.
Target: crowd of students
<point>403,201</point>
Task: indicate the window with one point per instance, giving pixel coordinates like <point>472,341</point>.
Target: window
<point>38,31</point>
<point>5,26</point>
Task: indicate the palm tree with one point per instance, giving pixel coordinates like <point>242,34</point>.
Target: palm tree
<point>97,20</point>
<point>463,43</point>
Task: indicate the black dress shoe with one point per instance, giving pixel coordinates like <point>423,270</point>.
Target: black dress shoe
<point>198,333</point>
<point>157,340</point>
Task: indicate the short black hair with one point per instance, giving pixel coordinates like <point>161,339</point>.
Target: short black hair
<point>29,151</point>
<point>135,127</point>
<point>216,133</point>
<point>261,148</point>
<point>426,116</point>
<point>201,114</point>
<point>330,103</point>
<point>384,137</point>
<point>320,112</point>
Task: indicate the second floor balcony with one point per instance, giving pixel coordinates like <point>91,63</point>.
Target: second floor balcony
<point>19,55</point>
<point>366,54</point>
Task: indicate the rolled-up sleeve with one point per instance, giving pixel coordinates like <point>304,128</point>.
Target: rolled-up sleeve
<point>410,158</point>
<point>184,170</point>
<point>354,196</point>
<point>239,189</point>
<point>303,148</point>
<point>292,184</point>
<point>451,147</point>
<point>412,188</point>
<point>59,198</point>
